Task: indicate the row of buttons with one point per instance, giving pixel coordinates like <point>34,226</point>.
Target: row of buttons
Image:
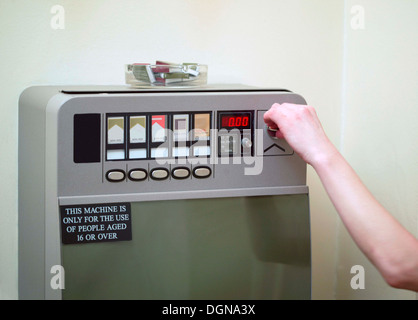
<point>118,175</point>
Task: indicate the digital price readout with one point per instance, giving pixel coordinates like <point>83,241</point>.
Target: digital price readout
<point>235,133</point>
<point>238,120</point>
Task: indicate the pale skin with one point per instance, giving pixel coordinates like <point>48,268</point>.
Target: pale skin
<point>385,242</point>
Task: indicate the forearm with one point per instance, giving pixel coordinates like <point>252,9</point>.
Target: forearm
<point>390,247</point>
<point>384,241</point>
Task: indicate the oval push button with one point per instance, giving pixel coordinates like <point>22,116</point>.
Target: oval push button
<point>159,174</point>
<point>137,174</point>
<point>202,172</point>
<point>181,173</point>
<point>115,175</point>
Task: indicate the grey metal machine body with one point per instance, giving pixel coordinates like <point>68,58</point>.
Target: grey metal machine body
<point>223,226</point>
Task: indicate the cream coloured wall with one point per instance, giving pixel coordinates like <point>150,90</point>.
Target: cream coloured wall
<point>286,43</point>
<point>379,129</point>
<point>296,44</point>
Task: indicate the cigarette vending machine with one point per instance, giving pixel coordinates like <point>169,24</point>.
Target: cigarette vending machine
<point>159,194</point>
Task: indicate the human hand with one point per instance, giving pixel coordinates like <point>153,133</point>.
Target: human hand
<point>300,127</point>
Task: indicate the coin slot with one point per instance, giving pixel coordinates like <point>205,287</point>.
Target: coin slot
<point>272,132</point>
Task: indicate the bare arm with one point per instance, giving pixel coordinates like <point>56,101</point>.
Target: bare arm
<point>389,246</point>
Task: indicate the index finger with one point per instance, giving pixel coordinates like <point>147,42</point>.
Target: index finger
<point>268,117</point>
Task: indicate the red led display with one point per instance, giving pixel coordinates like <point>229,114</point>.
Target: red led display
<point>235,121</point>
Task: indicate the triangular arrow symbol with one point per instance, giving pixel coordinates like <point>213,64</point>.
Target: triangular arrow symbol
<point>274,145</point>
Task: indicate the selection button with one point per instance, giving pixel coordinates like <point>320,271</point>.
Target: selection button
<point>115,175</point>
<point>202,172</point>
<point>181,173</point>
<point>159,174</point>
<point>137,174</point>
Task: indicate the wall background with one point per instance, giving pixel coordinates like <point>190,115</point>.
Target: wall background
<point>362,82</point>
<point>379,131</point>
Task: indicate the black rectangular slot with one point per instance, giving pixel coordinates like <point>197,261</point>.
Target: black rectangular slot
<point>87,137</point>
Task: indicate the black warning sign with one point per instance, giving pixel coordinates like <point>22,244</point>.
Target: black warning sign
<point>96,223</point>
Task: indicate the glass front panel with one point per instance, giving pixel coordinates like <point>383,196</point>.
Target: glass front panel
<point>223,248</point>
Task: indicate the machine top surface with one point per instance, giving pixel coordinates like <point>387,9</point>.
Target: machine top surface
<point>117,89</point>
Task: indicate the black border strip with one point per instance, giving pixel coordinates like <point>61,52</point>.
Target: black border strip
<point>134,91</point>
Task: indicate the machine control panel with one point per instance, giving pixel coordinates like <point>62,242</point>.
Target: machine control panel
<point>137,144</point>
<point>144,138</point>
<point>161,145</point>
